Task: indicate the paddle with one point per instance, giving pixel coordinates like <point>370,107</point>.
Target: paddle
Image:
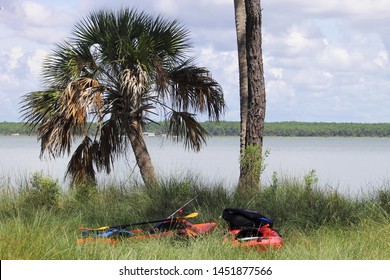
<point>192,215</point>
<point>180,209</point>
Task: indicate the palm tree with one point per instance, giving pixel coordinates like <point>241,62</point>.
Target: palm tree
<point>118,70</point>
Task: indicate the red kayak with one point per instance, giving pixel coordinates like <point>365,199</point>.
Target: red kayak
<point>250,229</point>
<point>261,239</point>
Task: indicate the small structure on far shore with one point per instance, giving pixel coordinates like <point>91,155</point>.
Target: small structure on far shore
<point>149,134</point>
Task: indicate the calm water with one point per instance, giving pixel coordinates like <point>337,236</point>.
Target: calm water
<point>350,165</point>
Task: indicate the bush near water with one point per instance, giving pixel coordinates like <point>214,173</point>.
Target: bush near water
<point>315,224</point>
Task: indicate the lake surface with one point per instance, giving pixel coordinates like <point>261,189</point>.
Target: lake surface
<point>351,165</point>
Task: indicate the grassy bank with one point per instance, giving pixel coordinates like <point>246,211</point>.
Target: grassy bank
<point>38,221</point>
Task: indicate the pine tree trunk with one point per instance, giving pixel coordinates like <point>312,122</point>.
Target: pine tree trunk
<point>251,161</point>
<point>240,18</point>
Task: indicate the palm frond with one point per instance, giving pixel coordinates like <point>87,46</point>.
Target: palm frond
<point>133,85</point>
<point>111,144</point>
<point>81,167</point>
<point>183,126</point>
<point>58,116</point>
<point>78,98</point>
<point>193,89</point>
<point>38,106</point>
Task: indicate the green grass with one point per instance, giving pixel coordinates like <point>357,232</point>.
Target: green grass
<point>315,224</point>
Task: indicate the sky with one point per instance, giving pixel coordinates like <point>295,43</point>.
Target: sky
<point>324,60</point>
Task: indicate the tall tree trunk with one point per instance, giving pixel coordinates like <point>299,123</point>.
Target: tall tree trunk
<point>240,18</point>
<point>251,161</point>
<point>144,162</point>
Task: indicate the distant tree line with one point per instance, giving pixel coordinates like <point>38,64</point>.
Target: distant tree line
<point>321,129</point>
<point>10,128</point>
<point>295,129</point>
<point>223,128</point>
<point>282,129</point>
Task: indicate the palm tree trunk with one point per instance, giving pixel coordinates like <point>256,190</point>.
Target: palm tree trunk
<point>144,162</point>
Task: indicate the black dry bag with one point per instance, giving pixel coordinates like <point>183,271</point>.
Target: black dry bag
<point>240,218</point>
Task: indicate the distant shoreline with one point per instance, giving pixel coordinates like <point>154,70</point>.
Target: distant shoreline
<point>232,128</point>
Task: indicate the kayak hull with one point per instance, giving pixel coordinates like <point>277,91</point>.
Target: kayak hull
<point>269,240</point>
<point>181,228</point>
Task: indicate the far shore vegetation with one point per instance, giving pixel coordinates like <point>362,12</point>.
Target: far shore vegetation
<point>232,128</point>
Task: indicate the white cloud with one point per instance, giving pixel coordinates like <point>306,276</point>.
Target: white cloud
<point>5,101</point>
<point>14,55</point>
<point>36,13</point>
<point>382,59</point>
<point>276,72</point>
<point>168,7</point>
<point>224,69</point>
<point>335,57</point>
<point>35,62</point>
<point>298,43</point>
<point>223,64</point>
<point>35,23</point>
<point>7,81</point>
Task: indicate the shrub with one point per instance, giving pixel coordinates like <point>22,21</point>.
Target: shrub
<point>42,192</point>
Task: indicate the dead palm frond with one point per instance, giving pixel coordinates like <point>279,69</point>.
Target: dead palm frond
<point>81,167</point>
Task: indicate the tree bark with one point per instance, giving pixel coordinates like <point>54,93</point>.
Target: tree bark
<point>240,18</point>
<point>251,169</point>
<point>256,85</point>
<point>141,154</point>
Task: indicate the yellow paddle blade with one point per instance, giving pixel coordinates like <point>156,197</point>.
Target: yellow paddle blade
<point>101,228</point>
<point>192,215</point>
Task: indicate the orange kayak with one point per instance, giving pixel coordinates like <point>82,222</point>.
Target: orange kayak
<point>172,228</point>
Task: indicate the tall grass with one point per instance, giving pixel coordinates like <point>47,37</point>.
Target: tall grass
<point>40,221</point>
